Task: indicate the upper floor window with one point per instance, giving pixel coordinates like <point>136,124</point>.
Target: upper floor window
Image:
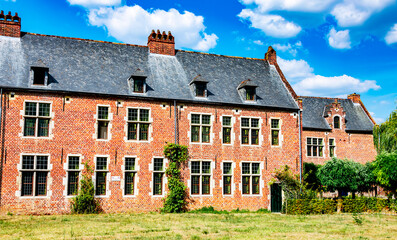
<point>138,124</point>
<point>250,174</point>
<point>315,147</point>
<point>337,122</point>
<point>226,129</point>
<point>40,75</point>
<point>332,147</point>
<point>37,119</point>
<point>34,175</point>
<point>158,176</point>
<point>103,122</point>
<point>250,131</point>
<point>129,176</point>
<point>73,173</point>
<point>200,128</point>
<point>275,131</point>
<point>200,177</point>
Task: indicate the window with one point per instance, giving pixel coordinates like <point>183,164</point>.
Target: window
<point>138,124</point>
<point>37,119</point>
<point>250,131</point>
<point>275,131</point>
<point>139,84</point>
<point>129,176</point>
<point>101,171</point>
<point>73,175</point>
<point>337,122</point>
<point>226,130</point>
<point>227,178</point>
<point>158,175</point>
<point>103,122</point>
<point>34,175</point>
<point>201,126</point>
<point>332,147</point>
<point>40,75</point>
<point>201,89</point>
<point>250,93</point>
<point>200,177</point>
<point>250,177</point>
<point>315,147</point>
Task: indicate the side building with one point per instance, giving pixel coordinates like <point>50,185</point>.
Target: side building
<point>68,101</point>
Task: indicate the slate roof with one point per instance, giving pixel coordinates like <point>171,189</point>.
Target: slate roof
<point>313,114</point>
<point>77,65</point>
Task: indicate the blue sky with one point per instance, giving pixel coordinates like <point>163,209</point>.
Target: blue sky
<point>325,47</point>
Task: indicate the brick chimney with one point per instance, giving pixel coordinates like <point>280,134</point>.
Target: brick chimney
<point>271,56</point>
<point>354,97</point>
<point>10,26</point>
<point>161,43</point>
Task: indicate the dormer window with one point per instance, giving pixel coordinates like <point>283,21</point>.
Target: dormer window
<point>337,122</point>
<point>199,86</point>
<point>40,76</point>
<point>138,81</point>
<point>247,90</point>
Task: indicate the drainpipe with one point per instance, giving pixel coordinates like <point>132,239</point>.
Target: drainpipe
<point>300,146</point>
<point>175,122</point>
<point>2,144</point>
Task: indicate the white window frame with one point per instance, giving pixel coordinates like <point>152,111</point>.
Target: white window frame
<point>50,123</point>
<point>312,146</point>
<point>233,166</point>
<point>259,128</point>
<point>200,125</point>
<point>232,121</point>
<point>34,170</point>
<point>251,175</point>
<point>108,176</point>
<point>200,194</point>
<point>163,192</point>
<point>66,168</point>
<point>150,121</point>
<point>109,120</point>
<point>329,147</point>
<point>276,129</point>
<point>136,178</point>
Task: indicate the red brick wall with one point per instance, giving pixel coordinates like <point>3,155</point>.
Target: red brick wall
<point>73,132</point>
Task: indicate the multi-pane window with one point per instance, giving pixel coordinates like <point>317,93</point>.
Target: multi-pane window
<point>226,129</point>
<point>336,122</point>
<point>73,174</point>
<point>138,124</point>
<point>275,131</point>
<point>101,171</point>
<point>129,175</point>
<point>250,174</point>
<point>34,175</point>
<point>201,89</point>
<point>37,119</point>
<point>250,131</point>
<point>158,175</point>
<point>201,126</point>
<point>315,147</point>
<point>139,85</point>
<point>103,122</point>
<point>227,178</point>
<point>200,177</point>
<point>332,147</point>
<point>250,93</point>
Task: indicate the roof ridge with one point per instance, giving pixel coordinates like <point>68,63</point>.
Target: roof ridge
<point>136,45</point>
<point>330,98</point>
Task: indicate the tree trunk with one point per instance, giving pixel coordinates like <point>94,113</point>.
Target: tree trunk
<point>354,195</point>
<point>339,205</point>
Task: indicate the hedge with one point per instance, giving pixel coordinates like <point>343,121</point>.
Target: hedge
<point>329,206</point>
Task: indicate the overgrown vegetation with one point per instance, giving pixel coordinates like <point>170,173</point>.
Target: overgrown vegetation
<point>85,201</point>
<point>385,134</point>
<point>385,171</point>
<point>175,202</point>
<point>212,210</point>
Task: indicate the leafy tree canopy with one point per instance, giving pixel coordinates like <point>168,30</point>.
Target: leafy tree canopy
<point>385,135</point>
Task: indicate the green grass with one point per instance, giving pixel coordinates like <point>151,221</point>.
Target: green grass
<point>233,225</point>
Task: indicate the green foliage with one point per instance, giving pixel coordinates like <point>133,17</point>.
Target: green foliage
<point>175,201</point>
<point>85,201</point>
<point>310,206</point>
<point>310,177</point>
<point>385,134</point>
<point>357,219</point>
<point>363,204</point>
<point>385,170</point>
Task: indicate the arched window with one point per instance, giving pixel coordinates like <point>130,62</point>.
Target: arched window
<point>336,122</point>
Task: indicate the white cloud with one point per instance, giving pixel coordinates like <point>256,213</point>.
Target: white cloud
<point>290,5</point>
<point>339,39</point>
<point>258,42</point>
<point>355,12</point>
<point>290,48</point>
<point>271,25</point>
<point>133,24</point>
<point>95,3</point>
<point>306,83</point>
<point>377,119</point>
<point>391,36</point>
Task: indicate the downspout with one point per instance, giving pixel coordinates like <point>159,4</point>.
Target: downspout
<point>1,134</point>
<point>300,146</point>
<point>175,122</point>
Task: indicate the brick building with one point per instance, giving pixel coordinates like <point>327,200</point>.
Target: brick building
<point>67,101</point>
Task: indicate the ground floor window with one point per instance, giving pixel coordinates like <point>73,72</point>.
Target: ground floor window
<point>101,171</point>
<point>200,177</point>
<point>250,174</point>
<point>158,175</point>
<point>34,175</point>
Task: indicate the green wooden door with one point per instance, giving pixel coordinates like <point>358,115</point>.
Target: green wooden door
<point>276,197</point>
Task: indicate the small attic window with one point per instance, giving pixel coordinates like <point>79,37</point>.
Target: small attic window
<point>250,93</point>
<point>199,86</point>
<point>337,122</point>
<point>247,89</point>
<point>139,85</point>
<point>201,89</point>
<point>40,76</point>
<point>138,81</point>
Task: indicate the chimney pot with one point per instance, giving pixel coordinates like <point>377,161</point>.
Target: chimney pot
<point>10,26</point>
<point>161,43</point>
<point>271,56</point>
<point>354,97</point>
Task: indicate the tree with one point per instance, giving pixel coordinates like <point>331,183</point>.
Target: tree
<point>310,177</point>
<point>385,134</point>
<point>385,170</point>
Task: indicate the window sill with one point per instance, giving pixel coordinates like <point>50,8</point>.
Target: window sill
<point>102,140</point>
<point>199,196</point>
<point>101,196</point>
<point>199,143</point>
<point>129,196</point>
<point>251,145</point>
<point>34,197</point>
<point>32,137</point>
<point>137,141</point>
<point>158,196</point>
<point>251,195</point>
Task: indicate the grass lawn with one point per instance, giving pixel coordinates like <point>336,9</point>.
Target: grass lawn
<point>199,226</point>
